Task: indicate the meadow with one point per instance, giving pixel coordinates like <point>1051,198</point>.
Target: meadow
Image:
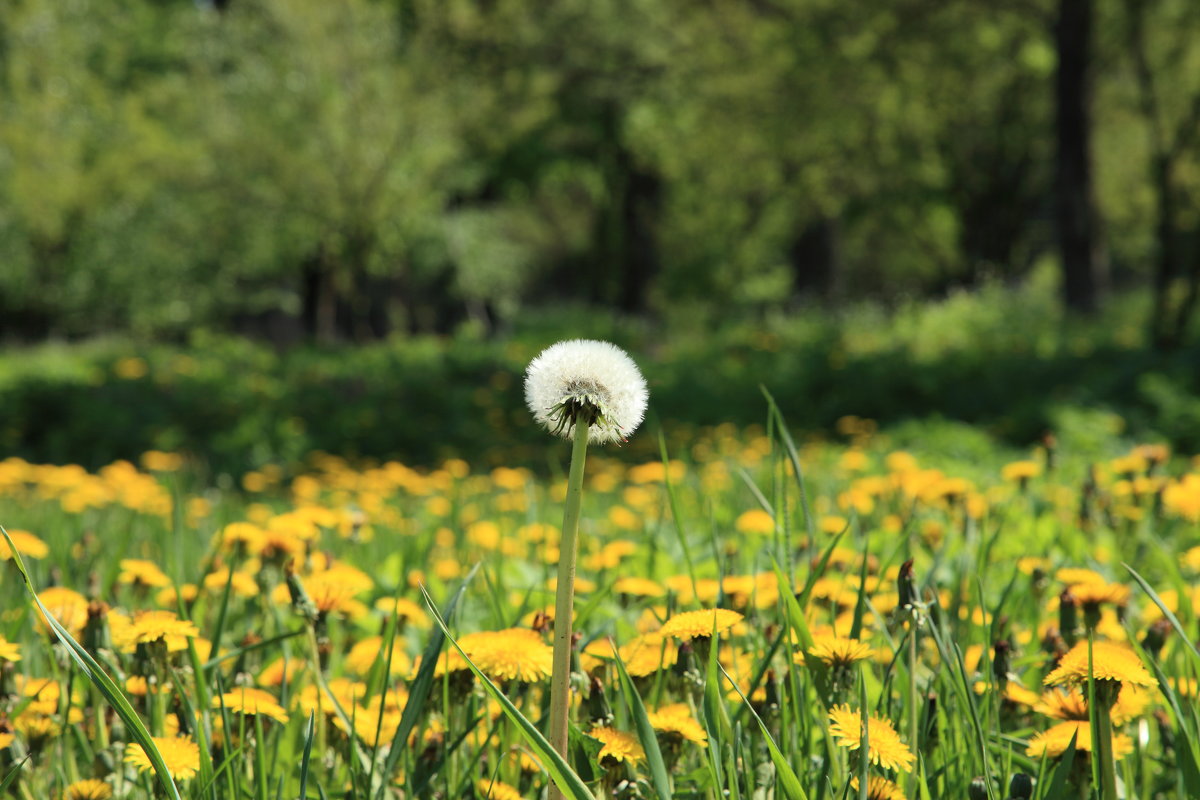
<point>1009,626</point>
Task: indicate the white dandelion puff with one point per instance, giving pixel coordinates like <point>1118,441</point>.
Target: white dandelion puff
<point>586,380</point>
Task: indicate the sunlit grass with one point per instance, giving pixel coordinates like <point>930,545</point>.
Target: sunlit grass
<point>951,607</point>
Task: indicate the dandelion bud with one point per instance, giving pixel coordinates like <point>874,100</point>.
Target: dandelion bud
<point>1156,637</point>
<point>907,589</point>
<point>587,382</point>
<point>1000,663</point>
<point>599,711</point>
<point>1068,615</point>
<point>1020,787</point>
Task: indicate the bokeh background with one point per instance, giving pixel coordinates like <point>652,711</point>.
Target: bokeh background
<point>252,229</point>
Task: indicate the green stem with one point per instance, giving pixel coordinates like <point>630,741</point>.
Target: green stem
<point>913,712</point>
<point>564,600</point>
<point>1104,752</point>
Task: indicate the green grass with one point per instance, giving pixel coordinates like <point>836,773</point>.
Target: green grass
<point>477,543</point>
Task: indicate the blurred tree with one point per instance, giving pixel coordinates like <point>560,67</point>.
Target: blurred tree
<point>332,144</point>
<point>1164,50</point>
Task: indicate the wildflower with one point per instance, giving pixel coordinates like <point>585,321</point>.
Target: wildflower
<point>362,656</point>
<point>692,624</point>
<point>879,789</point>
<point>241,584</point>
<point>9,651</point>
<point>180,754</point>
<point>885,748</point>
<point>634,586</point>
<point>26,543</point>
<point>1110,662</point>
<point>755,521</point>
<point>247,701</point>
<point>153,626</point>
<point>511,654</point>
<point>1054,741</point>
<point>36,728</point>
<point>65,605</point>
<point>589,380</point>
<point>675,721</point>
<point>90,789</point>
<point>406,610</point>
<point>837,652</point>
<point>141,573</point>
<point>619,746</point>
<point>1021,471</point>
<point>495,790</point>
<point>1071,704</point>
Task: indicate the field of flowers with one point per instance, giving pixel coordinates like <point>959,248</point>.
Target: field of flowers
<point>1007,630</point>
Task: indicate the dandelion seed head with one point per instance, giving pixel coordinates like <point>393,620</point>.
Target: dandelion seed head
<point>588,380</point>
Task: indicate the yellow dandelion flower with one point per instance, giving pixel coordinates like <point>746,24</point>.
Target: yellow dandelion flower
<point>676,721</point>
<point>187,592</point>
<point>248,701</point>
<point>647,654</point>
<point>755,521</point>
<point>1110,662</point>
<point>1020,471</point>
<point>274,673</point>
<point>26,543</point>
<point>835,651</point>
<point>495,790</point>
<point>66,605</point>
<point>692,624</point>
<point>885,747</point>
<point>511,654</point>
<point>90,789</point>
<point>241,584</point>
<point>1054,741</point>
<point>1072,576</point>
<point>362,656</point>
<point>311,700</point>
<point>180,753</point>
<point>153,626</point>
<point>35,727</point>
<point>1071,704</point>
<point>140,572</point>
<point>639,587</point>
<point>619,746</point>
<point>9,651</point>
<point>879,789</point>
<point>405,609</point>
<point>1093,594</point>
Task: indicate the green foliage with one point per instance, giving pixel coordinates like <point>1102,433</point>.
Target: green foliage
<point>952,377</point>
<point>348,170</point>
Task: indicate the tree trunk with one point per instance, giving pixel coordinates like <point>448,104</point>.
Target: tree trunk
<point>1165,261</point>
<point>1076,211</point>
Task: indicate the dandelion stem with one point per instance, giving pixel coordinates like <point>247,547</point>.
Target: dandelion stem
<point>560,680</point>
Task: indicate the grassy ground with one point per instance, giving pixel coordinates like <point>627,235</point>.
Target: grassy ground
<point>999,367</point>
<point>949,593</point>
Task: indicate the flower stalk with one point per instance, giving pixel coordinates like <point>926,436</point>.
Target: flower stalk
<point>564,600</point>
